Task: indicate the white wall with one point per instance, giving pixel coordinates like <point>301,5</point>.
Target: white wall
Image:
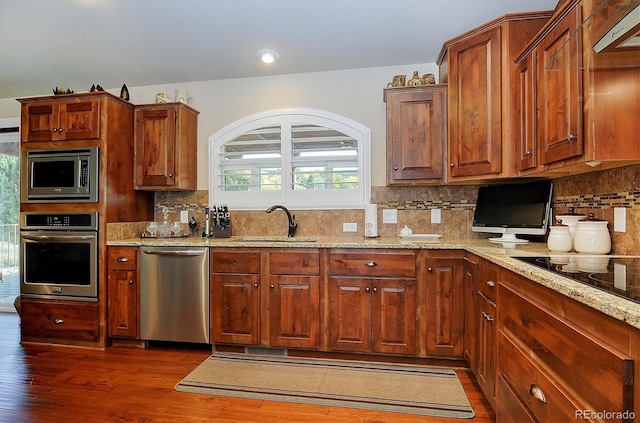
<point>356,94</point>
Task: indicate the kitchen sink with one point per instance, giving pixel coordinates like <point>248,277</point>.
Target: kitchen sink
<point>277,239</point>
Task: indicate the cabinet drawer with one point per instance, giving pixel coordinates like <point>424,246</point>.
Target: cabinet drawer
<point>57,320</point>
<point>294,262</point>
<point>366,263</point>
<point>236,261</point>
<point>488,281</point>
<point>524,379</point>
<point>123,258</point>
<point>566,351</point>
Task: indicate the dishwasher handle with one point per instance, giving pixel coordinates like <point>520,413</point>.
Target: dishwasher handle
<point>182,253</point>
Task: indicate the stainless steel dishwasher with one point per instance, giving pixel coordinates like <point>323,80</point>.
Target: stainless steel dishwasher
<point>174,294</point>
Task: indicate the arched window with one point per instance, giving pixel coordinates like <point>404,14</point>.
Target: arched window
<point>300,158</point>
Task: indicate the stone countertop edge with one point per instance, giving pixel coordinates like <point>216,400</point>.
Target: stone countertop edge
<point>617,307</point>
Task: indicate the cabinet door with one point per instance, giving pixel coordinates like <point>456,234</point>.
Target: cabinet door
<point>350,314</point>
<point>59,120</point>
<point>67,322</point>
<point>470,280</point>
<point>416,134</point>
<point>487,339</point>
<point>475,102</point>
<point>235,308</point>
<point>445,302</point>
<point>393,316</point>
<point>123,303</point>
<point>526,142</point>
<point>559,92</point>
<point>293,310</point>
<point>155,139</point>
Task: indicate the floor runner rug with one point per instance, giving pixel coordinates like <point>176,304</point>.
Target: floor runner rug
<point>373,386</point>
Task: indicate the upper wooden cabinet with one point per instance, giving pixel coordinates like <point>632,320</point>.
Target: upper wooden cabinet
<point>479,69</point>
<point>581,112</point>
<point>165,147</point>
<point>416,134</point>
<point>70,118</point>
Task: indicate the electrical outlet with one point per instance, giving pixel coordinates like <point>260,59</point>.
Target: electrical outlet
<point>389,216</point>
<point>436,216</point>
<point>350,227</point>
<point>184,216</point>
<point>619,219</point>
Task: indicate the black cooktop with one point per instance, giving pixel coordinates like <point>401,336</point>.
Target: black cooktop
<point>615,275</point>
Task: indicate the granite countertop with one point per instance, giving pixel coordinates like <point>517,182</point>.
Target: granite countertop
<point>609,304</point>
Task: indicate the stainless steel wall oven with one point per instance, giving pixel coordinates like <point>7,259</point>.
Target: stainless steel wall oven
<point>59,255</point>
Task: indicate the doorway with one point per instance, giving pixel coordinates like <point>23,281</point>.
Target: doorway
<point>9,213</point>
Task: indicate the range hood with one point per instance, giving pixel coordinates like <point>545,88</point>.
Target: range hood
<point>625,34</point>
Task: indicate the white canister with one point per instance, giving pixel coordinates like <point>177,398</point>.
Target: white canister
<point>571,219</point>
<point>592,236</point>
<point>559,239</point>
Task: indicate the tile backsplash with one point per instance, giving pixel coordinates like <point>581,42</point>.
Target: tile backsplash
<point>597,192</point>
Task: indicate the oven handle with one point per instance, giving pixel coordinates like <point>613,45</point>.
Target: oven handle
<point>58,237</point>
<point>176,252</point>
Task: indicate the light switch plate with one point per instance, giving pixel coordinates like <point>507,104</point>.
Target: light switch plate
<point>184,216</point>
<point>619,219</point>
<point>436,216</point>
<point>389,216</point>
<point>350,227</point>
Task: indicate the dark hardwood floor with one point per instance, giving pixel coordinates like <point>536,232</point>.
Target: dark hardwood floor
<point>63,384</point>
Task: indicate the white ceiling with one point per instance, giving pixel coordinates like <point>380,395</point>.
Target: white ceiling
<point>77,43</point>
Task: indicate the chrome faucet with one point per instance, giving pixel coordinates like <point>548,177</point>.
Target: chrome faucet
<point>293,225</point>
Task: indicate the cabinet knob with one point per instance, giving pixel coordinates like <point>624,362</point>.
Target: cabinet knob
<point>123,259</point>
<point>130,282</point>
<point>487,317</point>
<point>55,129</point>
<point>395,168</point>
<point>528,153</point>
<point>571,137</point>
<point>171,175</point>
<point>536,392</point>
<point>58,321</point>
<point>367,289</point>
<point>450,164</point>
<point>255,285</point>
<point>430,269</point>
<point>370,264</point>
<point>271,286</point>
<point>375,289</point>
<point>490,283</point>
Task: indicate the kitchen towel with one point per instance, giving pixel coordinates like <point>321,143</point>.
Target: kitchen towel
<point>371,220</point>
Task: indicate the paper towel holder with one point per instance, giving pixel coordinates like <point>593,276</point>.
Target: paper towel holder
<point>371,220</point>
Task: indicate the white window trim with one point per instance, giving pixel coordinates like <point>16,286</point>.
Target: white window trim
<point>299,200</point>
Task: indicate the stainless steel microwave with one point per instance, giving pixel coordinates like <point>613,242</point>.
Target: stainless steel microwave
<point>59,176</point>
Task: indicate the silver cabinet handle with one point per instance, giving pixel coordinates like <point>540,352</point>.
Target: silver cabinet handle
<point>58,321</point>
<point>491,283</point>
<point>123,259</point>
<point>57,237</point>
<point>176,252</point>
<point>370,264</point>
<point>487,316</point>
<point>536,392</point>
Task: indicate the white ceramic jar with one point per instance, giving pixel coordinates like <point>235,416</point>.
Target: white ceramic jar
<point>592,236</point>
<point>571,219</point>
<point>559,239</point>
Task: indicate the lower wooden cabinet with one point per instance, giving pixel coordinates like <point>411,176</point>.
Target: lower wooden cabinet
<point>559,358</point>
<point>372,301</point>
<point>470,289</point>
<point>123,309</point>
<point>486,315</point>
<point>63,322</point>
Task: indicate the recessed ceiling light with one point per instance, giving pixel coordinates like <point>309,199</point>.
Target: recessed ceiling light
<point>267,55</point>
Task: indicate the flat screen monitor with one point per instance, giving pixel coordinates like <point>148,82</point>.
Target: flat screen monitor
<point>513,209</point>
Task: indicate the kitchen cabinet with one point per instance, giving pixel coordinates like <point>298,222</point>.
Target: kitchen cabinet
<point>294,297</point>
<point>559,357</point>
<point>372,306</point>
<point>576,116</point>
<point>123,282</point>
<point>486,314</point>
<point>416,134</point>
<point>165,147</point>
<point>69,118</point>
<point>478,67</point>
<point>444,313</point>
<point>470,289</point>
<point>59,322</point>
<point>235,296</point>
